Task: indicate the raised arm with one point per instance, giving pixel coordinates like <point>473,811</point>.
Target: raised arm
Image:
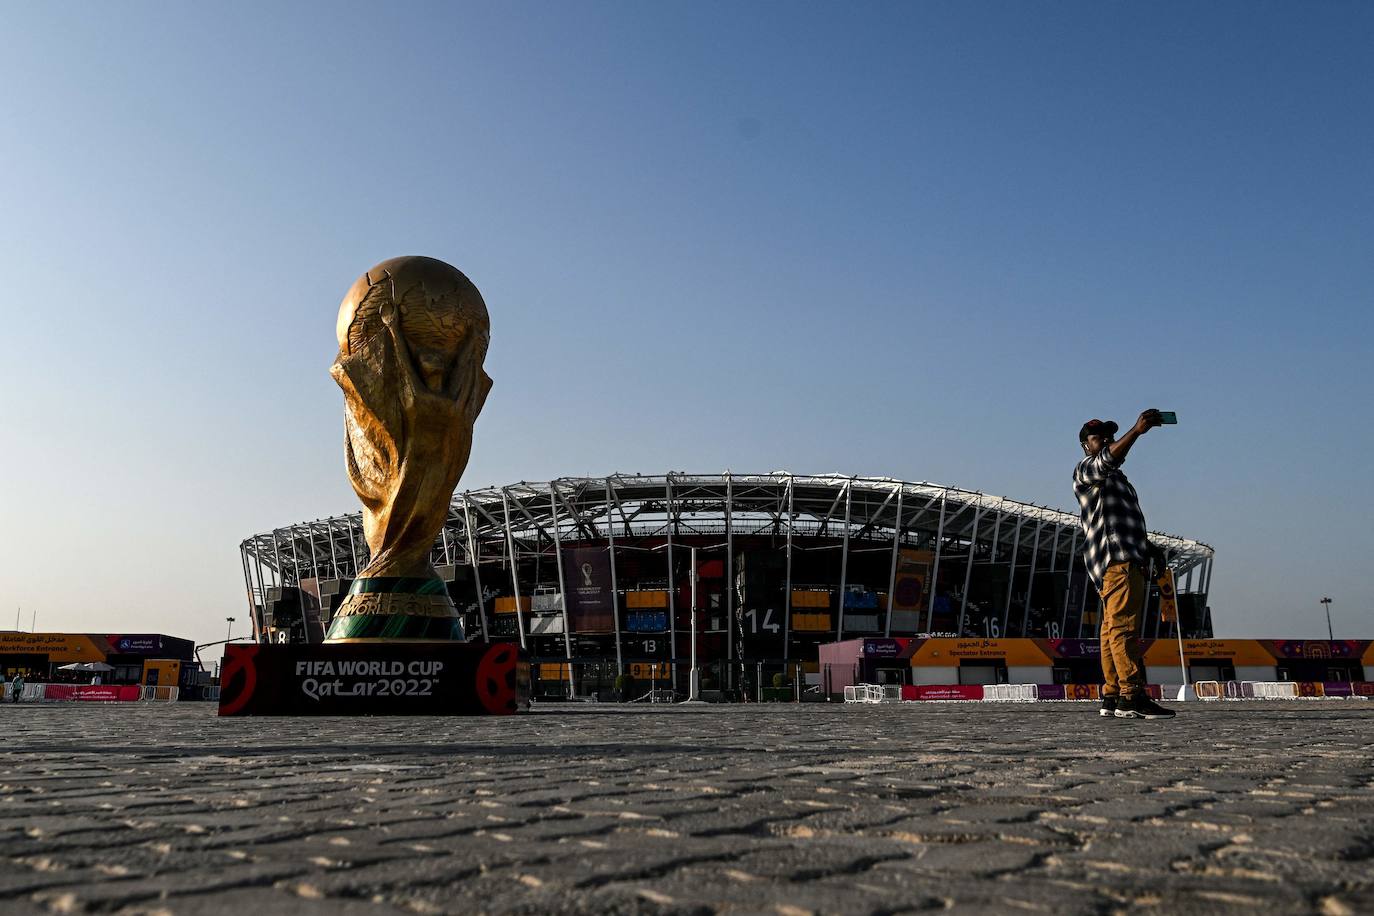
<point>1105,457</point>
<point>1147,421</point>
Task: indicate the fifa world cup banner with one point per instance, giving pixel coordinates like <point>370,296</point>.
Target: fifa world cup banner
<point>587,586</point>
<point>374,679</point>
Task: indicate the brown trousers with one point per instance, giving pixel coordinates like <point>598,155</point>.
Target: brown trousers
<point>1123,597</point>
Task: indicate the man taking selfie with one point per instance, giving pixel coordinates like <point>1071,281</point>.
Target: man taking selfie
<point>1118,555</point>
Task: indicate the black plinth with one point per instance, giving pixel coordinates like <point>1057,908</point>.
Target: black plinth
<point>374,679</point>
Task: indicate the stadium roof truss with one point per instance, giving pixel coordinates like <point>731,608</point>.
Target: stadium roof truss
<point>498,525</point>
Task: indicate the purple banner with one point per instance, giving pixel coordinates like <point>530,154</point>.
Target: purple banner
<point>1049,691</point>
<point>1336,688</point>
<point>587,578</point>
<point>136,644</point>
<point>1075,648</point>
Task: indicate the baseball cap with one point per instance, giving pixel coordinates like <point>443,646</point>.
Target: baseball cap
<point>1097,428</point>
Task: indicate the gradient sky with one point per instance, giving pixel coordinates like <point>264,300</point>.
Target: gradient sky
<point>918,240</point>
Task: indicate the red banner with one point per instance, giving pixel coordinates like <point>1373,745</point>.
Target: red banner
<point>943,692</point>
<point>98,693</point>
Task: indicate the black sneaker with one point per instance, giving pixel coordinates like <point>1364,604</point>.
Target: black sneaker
<point>1108,707</point>
<point>1141,706</point>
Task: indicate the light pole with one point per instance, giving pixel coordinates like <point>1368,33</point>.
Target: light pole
<point>229,635</point>
<point>1326,603</point>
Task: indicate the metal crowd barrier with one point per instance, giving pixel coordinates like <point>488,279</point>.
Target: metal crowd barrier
<point>1207,690</point>
<point>38,693</point>
<point>166,694</point>
<point>873,693</point>
<point>1013,693</point>
<point>1274,690</point>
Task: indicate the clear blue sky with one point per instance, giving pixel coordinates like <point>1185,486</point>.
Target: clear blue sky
<point>924,240</point>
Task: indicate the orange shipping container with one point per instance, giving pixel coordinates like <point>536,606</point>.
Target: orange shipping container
<point>810,598</point>
<point>811,622</point>
<point>506,605</point>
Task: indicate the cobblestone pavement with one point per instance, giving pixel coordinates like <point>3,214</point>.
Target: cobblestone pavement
<point>782,809</point>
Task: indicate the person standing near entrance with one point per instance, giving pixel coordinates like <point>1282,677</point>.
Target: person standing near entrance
<point>1117,554</point>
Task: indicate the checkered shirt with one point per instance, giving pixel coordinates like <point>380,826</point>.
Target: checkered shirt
<point>1113,525</point>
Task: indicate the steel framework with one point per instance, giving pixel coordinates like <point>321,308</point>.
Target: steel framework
<point>492,530</point>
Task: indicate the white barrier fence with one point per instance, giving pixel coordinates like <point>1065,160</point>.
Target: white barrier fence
<point>39,693</point>
<point>1273,690</point>
<point>1207,691</point>
<point>873,693</point>
<point>1212,691</point>
<point>165,694</point>
<point>1010,693</point>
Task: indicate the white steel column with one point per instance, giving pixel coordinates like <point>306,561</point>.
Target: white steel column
<point>262,592</point>
<point>333,558</point>
<point>935,566</point>
<point>694,676</point>
<point>1011,577</point>
<point>996,534</point>
<point>248,583</point>
<point>672,583</point>
<point>615,587</point>
<point>1068,586</point>
<point>562,589</point>
<point>729,578</point>
<point>476,567</point>
<point>278,570</point>
<point>353,551</point>
<point>315,570</point>
<point>892,576</point>
<point>787,584</point>
<point>844,555</point>
<point>1030,580</point>
<point>296,568</point>
<point>514,571</point>
<point>968,567</point>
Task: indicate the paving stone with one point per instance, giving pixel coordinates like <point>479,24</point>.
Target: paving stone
<point>778,809</point>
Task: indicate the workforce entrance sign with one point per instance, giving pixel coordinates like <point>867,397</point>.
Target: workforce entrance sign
<point>388,679</point>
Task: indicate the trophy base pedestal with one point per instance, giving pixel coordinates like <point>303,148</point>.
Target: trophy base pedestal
<point>391,607</point>
<point>379,677</point>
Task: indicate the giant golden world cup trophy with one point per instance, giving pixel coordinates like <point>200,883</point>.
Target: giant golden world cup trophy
<point>413,333</point>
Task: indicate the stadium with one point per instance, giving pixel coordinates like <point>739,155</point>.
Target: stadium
<point>593,575</point>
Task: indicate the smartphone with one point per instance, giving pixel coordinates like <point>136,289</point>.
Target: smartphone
<point>1168,416</point>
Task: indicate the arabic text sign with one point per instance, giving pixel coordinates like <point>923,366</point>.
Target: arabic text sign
<point>96,693</point>
<point>943,692</point>
<point>59,647</point>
